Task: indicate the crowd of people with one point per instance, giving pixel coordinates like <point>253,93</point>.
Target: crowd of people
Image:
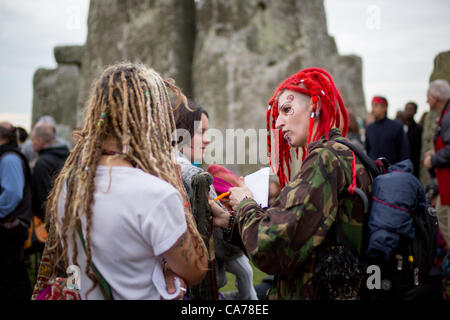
<point>119,203</point>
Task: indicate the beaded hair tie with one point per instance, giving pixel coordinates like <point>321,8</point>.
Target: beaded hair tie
<point>101,119</point>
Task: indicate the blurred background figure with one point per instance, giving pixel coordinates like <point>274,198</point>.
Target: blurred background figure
<point>15,216</point>
<point>385,137</point>
<point>274,189</point>
<point>438,97</point>
<point>370,119</point>
<point>399,116</point>
<point>51,157</point>
<point>27,148</point>
<point>192,124</point>
<point>413,131</point>
<point>22,135</point>
<point>353,133</point>
<point>224,179</point>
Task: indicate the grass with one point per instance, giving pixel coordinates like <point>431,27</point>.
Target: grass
<point>258,276</point>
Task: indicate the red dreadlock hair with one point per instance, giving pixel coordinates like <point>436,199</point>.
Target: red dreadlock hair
<point>319,85</point>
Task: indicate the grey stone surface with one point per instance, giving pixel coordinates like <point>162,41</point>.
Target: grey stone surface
<point>55,93</point>
<point>227,55</point>
<point>159,33</point>
<point>244,49</point>
<point>441,68</point>
<point>68,54</point>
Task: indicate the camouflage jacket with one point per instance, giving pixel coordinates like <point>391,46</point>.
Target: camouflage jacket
<point>283,238</point>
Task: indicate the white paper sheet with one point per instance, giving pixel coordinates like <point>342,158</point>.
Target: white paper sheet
<point>258,183</point>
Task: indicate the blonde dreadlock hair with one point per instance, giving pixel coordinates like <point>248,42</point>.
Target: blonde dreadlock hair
<point>130,103</point>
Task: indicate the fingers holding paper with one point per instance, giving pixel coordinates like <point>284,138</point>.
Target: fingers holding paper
<point>238,194</point>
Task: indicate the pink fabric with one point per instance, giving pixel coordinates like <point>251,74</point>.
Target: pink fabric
<point>44,293</point>
<point>224,179</point>
<point>221,185</point>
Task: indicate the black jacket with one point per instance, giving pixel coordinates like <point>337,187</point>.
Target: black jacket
<point>414,135</point>
<point>386,138</point>
<point>48,164</point>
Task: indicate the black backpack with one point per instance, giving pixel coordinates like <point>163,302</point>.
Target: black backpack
<point>407,270</point>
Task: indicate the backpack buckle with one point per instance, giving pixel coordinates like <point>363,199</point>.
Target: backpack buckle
<point>416,276</point>
<point>399,262</point>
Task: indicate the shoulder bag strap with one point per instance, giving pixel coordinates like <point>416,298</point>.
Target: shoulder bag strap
<point>106,289</point>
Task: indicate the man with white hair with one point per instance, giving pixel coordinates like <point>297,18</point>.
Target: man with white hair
<point>438,97</point>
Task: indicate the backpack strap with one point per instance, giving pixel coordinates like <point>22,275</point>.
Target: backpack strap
<point>352,188</point>
<point>373,171</point>
<point>363,157</point>
<point>106,289</point>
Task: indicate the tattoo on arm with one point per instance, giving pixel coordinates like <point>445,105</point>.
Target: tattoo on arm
<point>180,243</point>
<point>185,247</point>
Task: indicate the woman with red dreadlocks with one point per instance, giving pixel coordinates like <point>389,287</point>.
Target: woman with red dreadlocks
<point>287,238</point>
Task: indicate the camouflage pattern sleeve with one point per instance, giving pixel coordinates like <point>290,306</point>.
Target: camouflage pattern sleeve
<point>282,237</point>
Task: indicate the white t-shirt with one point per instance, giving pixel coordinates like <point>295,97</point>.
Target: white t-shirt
<point>133,224</point>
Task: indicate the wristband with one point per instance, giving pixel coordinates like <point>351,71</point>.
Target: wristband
<point>229,228</point>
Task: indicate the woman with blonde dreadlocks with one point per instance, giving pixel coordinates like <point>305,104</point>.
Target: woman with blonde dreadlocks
<point>285,239</point>
<point>120,165</point>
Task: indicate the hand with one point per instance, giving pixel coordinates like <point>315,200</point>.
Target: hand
<point>427,161</point>
<point>239,193</point>
<point>170,283</point>
<point>429,153</point>
<point>221,217</point>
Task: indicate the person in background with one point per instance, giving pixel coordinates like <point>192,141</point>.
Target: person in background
<point>353,131</point>
<point>27,147</point>
<point>438,97</point>
<point>22,135</point>
<point>192,124</point>
<point>51,157</point>
<point>274,190</point>
<point>225,179</point>
<point>15,216</point>
<point>413,131</point>
<point>385,137</point>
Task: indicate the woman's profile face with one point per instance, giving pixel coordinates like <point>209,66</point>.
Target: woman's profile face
<point>293,120</point>
<point>199,141</point>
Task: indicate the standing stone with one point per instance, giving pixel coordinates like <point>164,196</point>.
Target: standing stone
<point>68,54</point>
<point>158,33</point>
<point>55,91</point>
<point>441,67</point>
<point>227,55</point>
<point>244,49</point>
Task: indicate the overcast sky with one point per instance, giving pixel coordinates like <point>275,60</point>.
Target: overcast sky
<point>30,29</point>
<point>397,39</point>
